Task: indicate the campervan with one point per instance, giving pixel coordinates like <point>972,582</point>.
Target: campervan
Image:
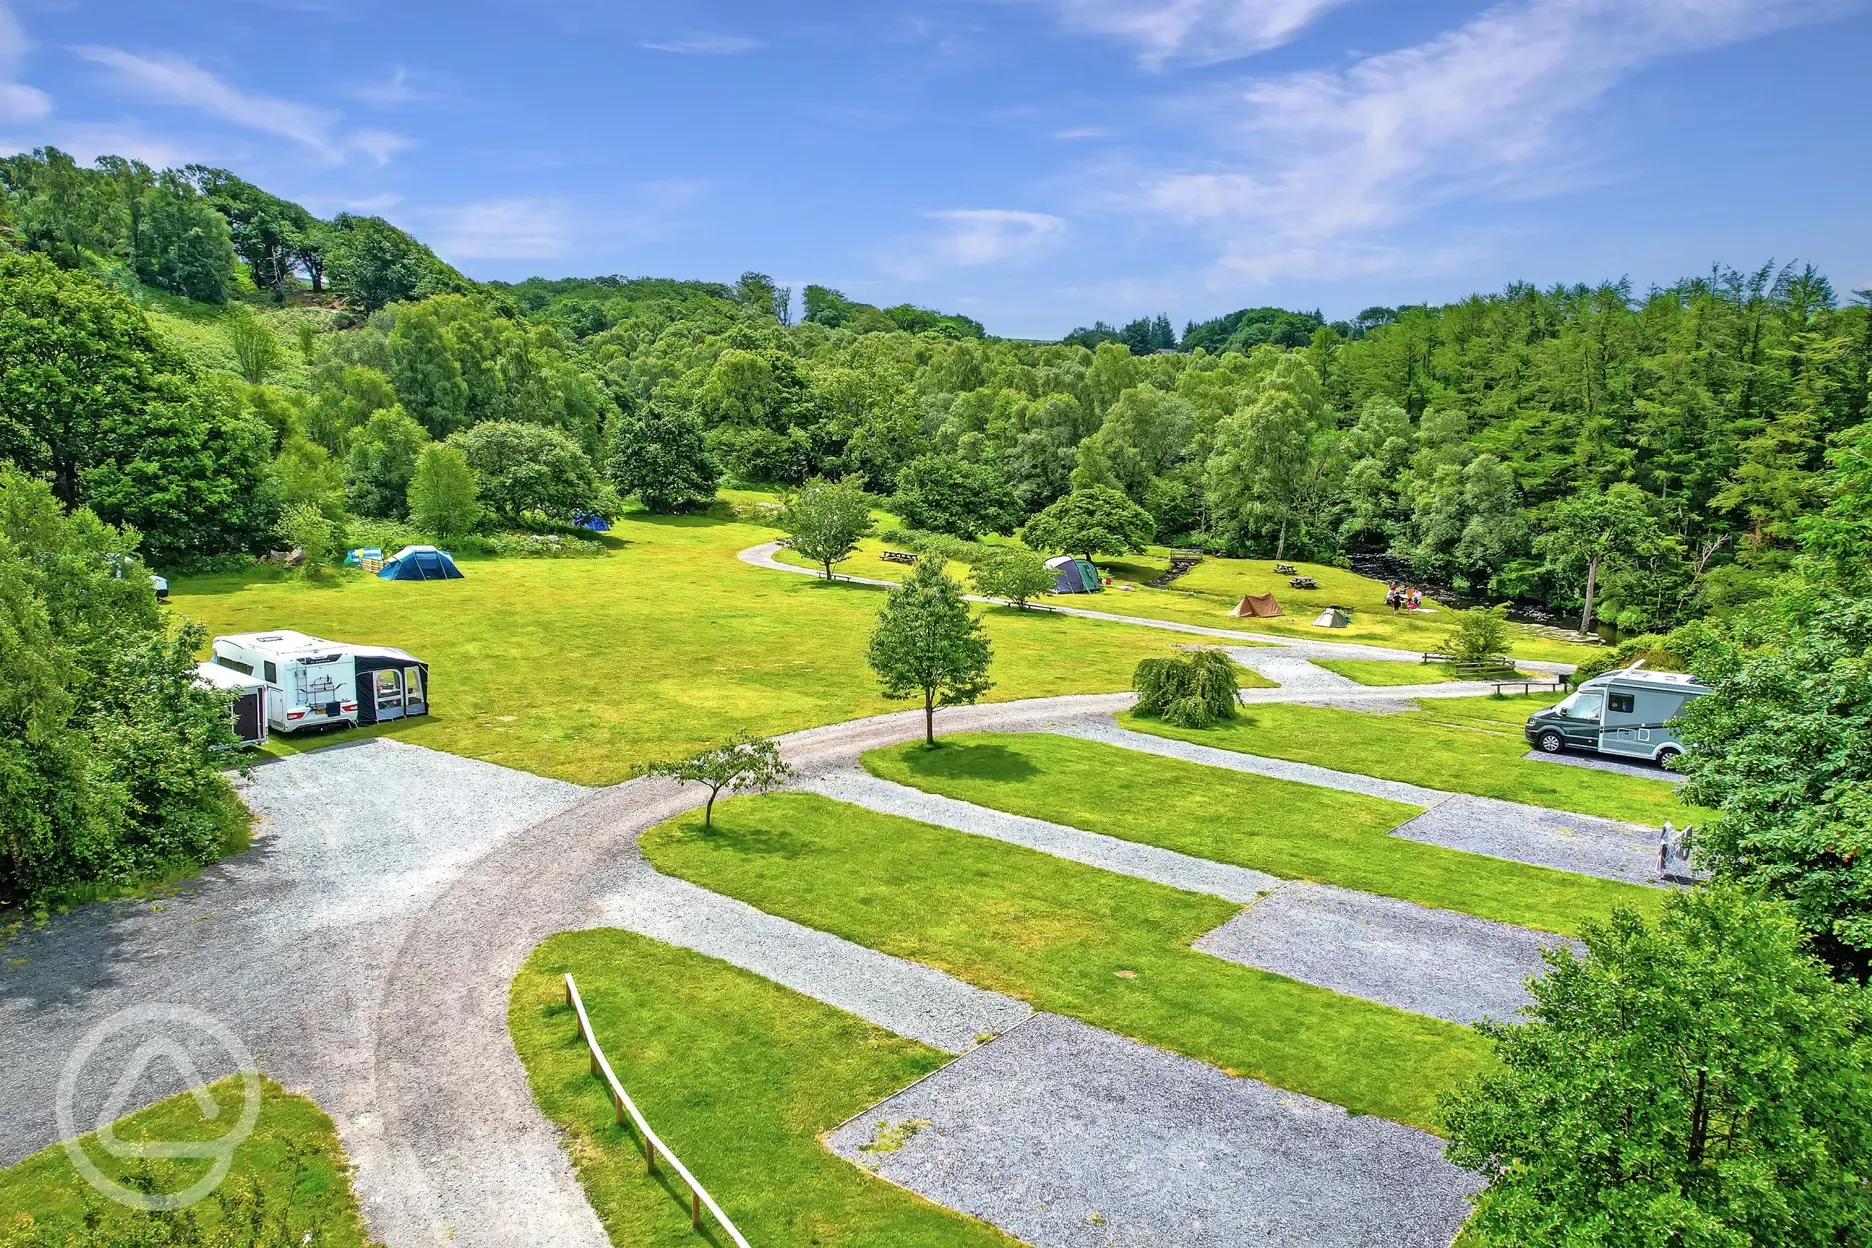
<point>312,682</point>
<point>1627,713</point>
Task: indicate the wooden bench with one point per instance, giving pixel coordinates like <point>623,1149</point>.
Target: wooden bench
<point>1285,569</point>
<point>1303,582</point>
<point>898,556</point>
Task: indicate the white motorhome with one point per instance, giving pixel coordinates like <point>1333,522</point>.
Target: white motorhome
<point>1626,713</point>
<point>312,682</point>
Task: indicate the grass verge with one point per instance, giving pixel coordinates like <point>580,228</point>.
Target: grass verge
<point>1297,831</point>
<point>739,1076</point>
<point>1471,745</point>
<point>1071,939</point>
<point>290,1175</point>
<point>1384,672</point>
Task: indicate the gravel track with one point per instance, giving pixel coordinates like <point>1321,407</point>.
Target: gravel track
<point>1145,862</point>
<point>898,995</point>
<point>1067,1136</point>
<point>1291,671</point>
<point>1643,771</point>
<point>1437,962</point>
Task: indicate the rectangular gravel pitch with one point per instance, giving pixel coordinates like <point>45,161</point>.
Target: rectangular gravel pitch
<point>1539,837</point>
<point>1437,962</point>
<point>1067,1136</point>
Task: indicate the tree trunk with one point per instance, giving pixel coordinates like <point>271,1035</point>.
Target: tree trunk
<point>929,717</point>
<point>708,808</point>
<point>1280,543</point>
<point>1592,583</point>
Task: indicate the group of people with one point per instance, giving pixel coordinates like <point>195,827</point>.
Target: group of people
<point>1399,598</point>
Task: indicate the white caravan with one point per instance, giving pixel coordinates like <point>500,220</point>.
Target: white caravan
<point>312,682</point>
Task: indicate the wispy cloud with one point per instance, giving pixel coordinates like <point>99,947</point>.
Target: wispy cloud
<point>705,45</point>
<point>1075,133</point>
<point>171,80</point>
<point>1326,161</point>
<point>394,92</point>
<point>1197,31</point>
<point>18,102</point>
<point>975,236</point>
<point>504,229</point>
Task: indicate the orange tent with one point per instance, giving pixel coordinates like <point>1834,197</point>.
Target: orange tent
<point>1259,606</point>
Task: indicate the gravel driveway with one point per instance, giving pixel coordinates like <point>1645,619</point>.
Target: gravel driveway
<point>1067,1136</point>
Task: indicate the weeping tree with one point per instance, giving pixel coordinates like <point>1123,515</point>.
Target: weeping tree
<point>1188,693</point>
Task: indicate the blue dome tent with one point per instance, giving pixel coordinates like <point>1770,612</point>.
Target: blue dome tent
<point>1073,576</point>
<point>420,563</point>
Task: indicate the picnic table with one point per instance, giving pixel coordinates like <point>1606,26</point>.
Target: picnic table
<point>898,556</point>
<point>1304,582</point>
<point>1285,569</point>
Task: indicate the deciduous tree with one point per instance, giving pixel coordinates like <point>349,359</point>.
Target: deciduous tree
<point>657,453</point>
<point>1015,576</point>
<point>825,520</point>
<point>1090,522</point>
<point>443,498</point>
<point>746,764</point>
<point>928,642</point>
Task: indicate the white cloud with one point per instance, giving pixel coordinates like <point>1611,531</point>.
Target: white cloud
<point>504,229</point>
<point>1080,132</point>
<point>1328,161</point>
<point>1199,31</point>
<point>706,45</point>
<point>18,102</point>
<point>393,92</point>
<point>993,235</point>
<point>170,80</point>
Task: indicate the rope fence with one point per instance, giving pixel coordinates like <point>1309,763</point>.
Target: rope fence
<point>654,1148</point>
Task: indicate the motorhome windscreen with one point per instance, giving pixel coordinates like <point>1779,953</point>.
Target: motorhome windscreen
<point>1582,705</point>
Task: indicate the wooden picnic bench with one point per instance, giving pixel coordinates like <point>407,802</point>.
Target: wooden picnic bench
<point>1285,569</point>
<point>898,556</point>
<point>1303,582</point>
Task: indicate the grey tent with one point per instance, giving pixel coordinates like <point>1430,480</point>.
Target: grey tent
<point>420,563</point>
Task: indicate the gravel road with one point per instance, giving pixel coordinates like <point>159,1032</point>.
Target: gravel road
<point>1067,1136</point>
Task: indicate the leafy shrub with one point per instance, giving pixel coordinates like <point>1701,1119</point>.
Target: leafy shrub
<point>1188,693</point>
<point>539,546</point>
<point>1480,634</point>
<point>316,538</point>
<point>1016,576</point>
<point>1648,646</point>
<point>389,536</point>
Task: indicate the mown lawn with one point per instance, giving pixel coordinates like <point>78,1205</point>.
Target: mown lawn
<point>580,668</point>
<point>1384,672</point>
<point>1468,745</point>
<point>1293,830</point>
<point>1208,592</point>
<point>1068,938</point>
<point>739,1076</point>
<point>292,1158</point>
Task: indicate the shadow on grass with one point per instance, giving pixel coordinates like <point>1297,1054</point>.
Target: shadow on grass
<point>730,837</point>
<point>972,760</point>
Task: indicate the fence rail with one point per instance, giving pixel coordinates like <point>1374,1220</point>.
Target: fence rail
<point>653,1145</point>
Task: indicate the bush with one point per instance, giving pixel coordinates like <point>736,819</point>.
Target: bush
<point>1188,693</point>
<point>1480,634</point>
<point>538,546</point>
<point>1016,576</point>
<point>1649,647</point>
<point>316,538</point>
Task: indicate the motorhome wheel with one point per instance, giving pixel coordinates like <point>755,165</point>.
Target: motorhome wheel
<point>1551,742</point>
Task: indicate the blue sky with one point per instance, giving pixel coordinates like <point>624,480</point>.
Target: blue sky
<point>1034,163</point>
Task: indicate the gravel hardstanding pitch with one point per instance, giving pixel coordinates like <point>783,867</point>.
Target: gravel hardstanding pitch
<point>1437,962</point>
<point>1289,671</point>
<point>898,995</point>
<point>1146,862</point>
<point>1067,1136</point>
<point>1592,762</point>
<point>1541,837</point>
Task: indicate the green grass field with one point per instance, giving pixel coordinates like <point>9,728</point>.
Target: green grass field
<point>1468,745</point>
<point>739,1076</point>
<point>1206,594</point>
<point>293,1159</point>
<point>1384,672</point>
<point>1293,830</point>
<point>1058,934</point>
<point>580,668</point>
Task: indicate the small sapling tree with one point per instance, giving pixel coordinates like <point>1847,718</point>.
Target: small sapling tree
<point>256,350</point>
<point>1015,576</point>
<point>745,764</point>
<point>824,520</point>
<point>928,642</point>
